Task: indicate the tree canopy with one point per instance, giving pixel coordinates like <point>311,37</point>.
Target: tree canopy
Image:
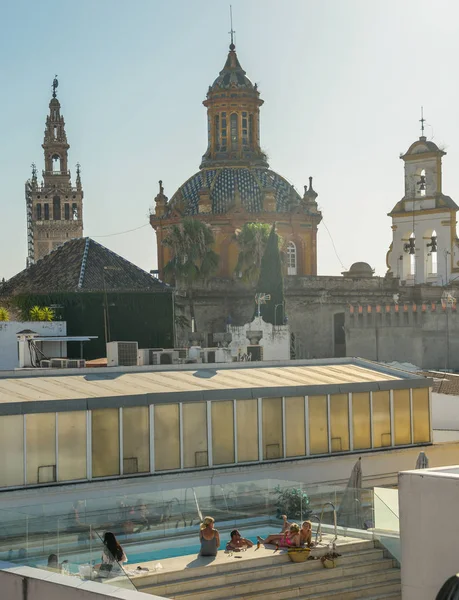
<point>252,239</point>
<point>271,282</point>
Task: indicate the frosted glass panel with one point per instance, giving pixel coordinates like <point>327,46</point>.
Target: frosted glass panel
<point>318,425</point>
<point>222,432</point>
<point>71,433</point>
<point>105,442</point>
<point>41,447</point>
<point>247,430</point>
<point>136,440</point>
<point>361,420</point>
<point>167,437</point>
<point>195,434</point>
<point>11,450</point>
<point>294,426</point>
<point>402,420</point>
<point>272,428</point>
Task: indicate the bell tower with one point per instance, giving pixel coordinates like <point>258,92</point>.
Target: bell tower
<point>424,242</point>
<point>54,206</point>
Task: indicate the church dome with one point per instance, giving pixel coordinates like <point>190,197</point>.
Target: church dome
<point>229,187</point>
<point>232,75</point>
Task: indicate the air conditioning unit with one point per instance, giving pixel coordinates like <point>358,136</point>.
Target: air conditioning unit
<point>45,364</point>
<point>76,363</point>
<point>164,357</point>
<point>123,354</point>
<point>58,363</point>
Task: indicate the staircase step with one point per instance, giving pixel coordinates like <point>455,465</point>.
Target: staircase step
<point>262,573</point>
<point>388,590</point>
<point>297,589</point>
<point>282,582</point>
<point>169,576</point>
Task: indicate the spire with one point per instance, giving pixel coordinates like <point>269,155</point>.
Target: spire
<point>232,32</point>
<point>78,176</point>
<point>55,143</point>
<point>55,85</point>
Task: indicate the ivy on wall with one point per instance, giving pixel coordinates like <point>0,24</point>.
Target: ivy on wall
<point>144,317</point>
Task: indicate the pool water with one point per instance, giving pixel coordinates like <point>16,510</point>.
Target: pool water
<point>189,545</point>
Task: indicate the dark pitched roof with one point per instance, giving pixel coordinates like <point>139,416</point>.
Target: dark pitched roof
<point>81,265</point>
<point>443,383</point>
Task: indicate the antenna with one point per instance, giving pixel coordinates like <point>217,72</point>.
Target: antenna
<point>422,121</point>
<point>232,32</point>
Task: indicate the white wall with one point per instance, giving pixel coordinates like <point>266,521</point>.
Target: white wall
<point>9,343</point>
<point>27,583</point>
<point>423,227</point>
<point>445,411</point>
<point>275,340</point>
<point>386,509</point>
<point>429,531</point>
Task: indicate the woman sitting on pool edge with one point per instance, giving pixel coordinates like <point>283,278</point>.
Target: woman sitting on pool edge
<point>237,542</point>
<point>287,539</point>
<point>209,537</point>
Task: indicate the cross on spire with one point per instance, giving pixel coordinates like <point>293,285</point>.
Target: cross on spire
<point>422,121</point>
<point>232,32</point>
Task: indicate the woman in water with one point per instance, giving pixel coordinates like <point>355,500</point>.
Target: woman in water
<point>209,537</point>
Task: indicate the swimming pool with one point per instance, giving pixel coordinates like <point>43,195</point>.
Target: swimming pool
<point>184,546</point>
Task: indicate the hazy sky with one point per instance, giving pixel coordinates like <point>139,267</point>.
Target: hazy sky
<point>342,81</point>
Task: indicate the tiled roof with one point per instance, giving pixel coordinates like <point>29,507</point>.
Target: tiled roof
<point>444,383</point>
<point>78,266</point>
<point>222,183</point>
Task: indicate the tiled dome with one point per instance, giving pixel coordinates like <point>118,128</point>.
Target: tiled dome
<point>222,183</point>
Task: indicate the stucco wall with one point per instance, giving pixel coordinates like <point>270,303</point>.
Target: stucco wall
<point>312,302</point>
<point>9,344</point>
<point>429,531</point>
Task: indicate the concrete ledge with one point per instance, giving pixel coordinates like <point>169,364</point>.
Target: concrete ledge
<point>23,583</point>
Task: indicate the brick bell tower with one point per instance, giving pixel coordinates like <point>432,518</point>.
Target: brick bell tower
<point>54,207</point>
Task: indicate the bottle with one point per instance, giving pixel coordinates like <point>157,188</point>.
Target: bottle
<point>258,545</point>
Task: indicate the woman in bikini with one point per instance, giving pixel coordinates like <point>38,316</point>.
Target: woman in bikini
<point>287,539</point>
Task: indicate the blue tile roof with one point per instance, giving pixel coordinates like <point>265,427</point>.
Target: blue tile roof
<point>222,184</point>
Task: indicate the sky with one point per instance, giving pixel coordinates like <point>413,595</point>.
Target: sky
<point>342,81</point>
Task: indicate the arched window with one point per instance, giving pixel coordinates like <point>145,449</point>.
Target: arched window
<point>245,131</point>
<point>291,259</point>
<point>74,212</point>
<point>46,207</point>
<point>250,129</point>
<point>56,208</point>
<point>233,131</point>
<point>433,254</point>
<point>56,163</point>
<point>217,132</point>
<point>38,213</point>
<point>67,211</point>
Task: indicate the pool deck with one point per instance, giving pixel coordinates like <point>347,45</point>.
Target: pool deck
<point>223,559</point>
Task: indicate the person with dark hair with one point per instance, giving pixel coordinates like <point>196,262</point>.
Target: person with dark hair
<point>53,563</point>
<point>113,552</point>
<point>237,542</point>
<point>112,556</point>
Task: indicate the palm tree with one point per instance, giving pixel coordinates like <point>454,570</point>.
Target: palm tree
<point>193,258</point>
<point>252,240</point>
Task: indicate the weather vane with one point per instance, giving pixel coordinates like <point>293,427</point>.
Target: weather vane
<point>422,121</point>
<point>232,32</point>
<point>55,85</point>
